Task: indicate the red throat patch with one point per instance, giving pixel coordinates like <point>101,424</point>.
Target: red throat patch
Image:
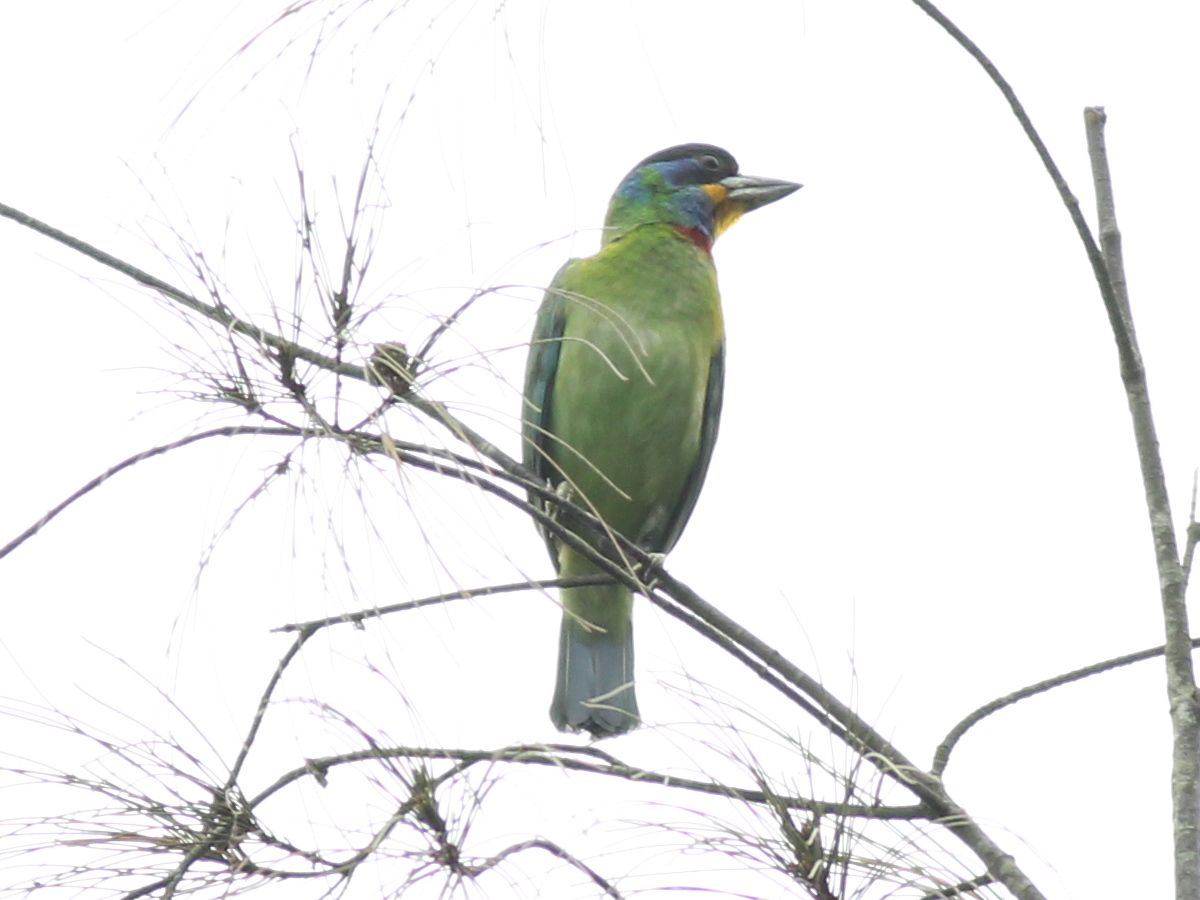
<point>696,236</point>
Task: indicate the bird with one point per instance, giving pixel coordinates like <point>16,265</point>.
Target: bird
<point>622,400</point>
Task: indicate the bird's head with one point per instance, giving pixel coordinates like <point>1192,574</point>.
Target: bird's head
<point>694,187</point>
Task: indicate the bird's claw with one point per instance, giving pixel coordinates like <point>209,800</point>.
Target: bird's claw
<point>564,491</point>
<point>647,571</point>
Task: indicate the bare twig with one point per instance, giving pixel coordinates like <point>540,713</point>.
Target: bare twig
<point>229,818</point>
<point>554,850</point>
<point>942,757</point>
<point>357,618</point>
<point>217,314</point>
<point>264,701</point>
<point>582,759</point>
<point>1126,348</point>
<point>1181,678</point>
<point>227,431</point>
<point>1193,532</point>
<point>1110,278</point>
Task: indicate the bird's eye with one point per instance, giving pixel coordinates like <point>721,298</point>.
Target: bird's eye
<point>711,163</point>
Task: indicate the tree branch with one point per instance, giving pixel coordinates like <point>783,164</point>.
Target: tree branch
<point>942,757</point>
<point>487,590</point>
<point>567,756</point>
<point>1110,278</point>
<point>622,560</point>
<point>227,431</point>
<point>1181,678</point>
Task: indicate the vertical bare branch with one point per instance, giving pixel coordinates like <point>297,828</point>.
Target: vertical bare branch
<point>1110,278</point>
<point>1181,680</point>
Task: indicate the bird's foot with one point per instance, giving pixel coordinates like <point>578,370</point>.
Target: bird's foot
<point>562,491</point>
<point>648,572</point>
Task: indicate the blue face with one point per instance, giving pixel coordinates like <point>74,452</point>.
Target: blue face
<point>673,191</point>
<point>669,188</point>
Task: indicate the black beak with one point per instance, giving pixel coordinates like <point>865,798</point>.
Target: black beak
<point>749,192</point>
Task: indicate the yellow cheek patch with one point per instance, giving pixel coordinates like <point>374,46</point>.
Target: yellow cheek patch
<point>725,212</point>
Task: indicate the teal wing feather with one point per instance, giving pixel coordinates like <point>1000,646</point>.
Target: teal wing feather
<point>540,371</point>
<point>665,539</point>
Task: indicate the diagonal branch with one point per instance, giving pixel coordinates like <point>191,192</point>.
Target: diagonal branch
<point>614,559</point>
<point>488,590</point>
<point>226,431</point>
<point>1130,356</point>
<point>941,757</point>
<point>183,298</point>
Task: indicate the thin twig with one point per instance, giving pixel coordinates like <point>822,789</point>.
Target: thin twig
<point>942,757</point>
<point>227,431</point>
<point>217,314</point>
<point>1193,533</point>
<point>1126,348</point>
<point>554,850</point>
<point>568,757</point>
<point>264,701</point>
<point>358,617</point>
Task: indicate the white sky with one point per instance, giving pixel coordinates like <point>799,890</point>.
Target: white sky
<point>925,488</point>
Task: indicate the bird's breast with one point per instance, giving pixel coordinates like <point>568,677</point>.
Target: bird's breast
<point>633,371</point>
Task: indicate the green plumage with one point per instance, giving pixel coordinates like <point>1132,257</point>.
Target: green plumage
<point>623,396</point>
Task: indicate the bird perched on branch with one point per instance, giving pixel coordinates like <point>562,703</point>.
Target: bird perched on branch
<point>623,397</point>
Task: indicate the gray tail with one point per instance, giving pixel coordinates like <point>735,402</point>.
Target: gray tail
<point>594,691</point>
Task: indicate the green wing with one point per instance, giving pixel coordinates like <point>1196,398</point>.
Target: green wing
<point>664,540</point>
<point>540,448</point>
<point>540,371</point>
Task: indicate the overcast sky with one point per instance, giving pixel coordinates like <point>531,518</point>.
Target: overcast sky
<point>925,490</point>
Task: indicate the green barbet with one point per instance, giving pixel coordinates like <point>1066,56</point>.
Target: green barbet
<point>623,398</point>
